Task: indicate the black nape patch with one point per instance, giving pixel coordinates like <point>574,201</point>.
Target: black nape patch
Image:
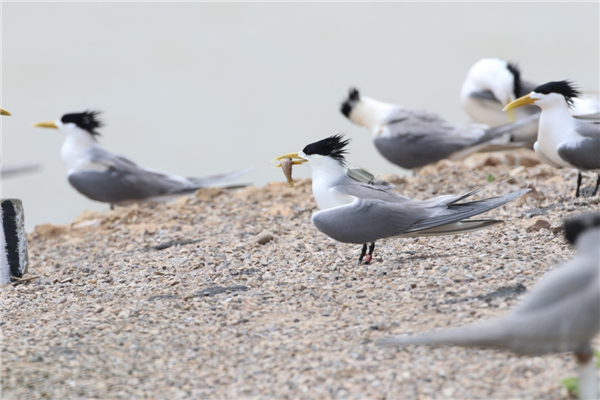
<point>87,120</point>
<point>575,225</point>
<point>332,146</point>
<point>348,104</point>
<point>566,88</point>
<point>11,236</point>
<point>516,73</point>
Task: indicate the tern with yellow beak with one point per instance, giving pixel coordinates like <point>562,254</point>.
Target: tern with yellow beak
<point>492,83</point>
<point>357,212</point>
<point>107,177</point>
<point>562,140</point>
<point>413,138</point>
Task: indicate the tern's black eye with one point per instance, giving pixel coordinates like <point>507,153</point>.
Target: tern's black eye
<point>332,146</point>
<point>87,120</point>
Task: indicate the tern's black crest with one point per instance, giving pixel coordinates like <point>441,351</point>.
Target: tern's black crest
<point>350,102</point>
<point>332,146</point>
<point>575,225</point>
<point>566,88</point>
<point>516,73</point>
<point>87,120</point>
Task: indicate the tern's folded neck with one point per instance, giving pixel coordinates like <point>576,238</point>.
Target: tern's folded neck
<point>371,114</point>
<point>325,177</point>
<point>75,148</point>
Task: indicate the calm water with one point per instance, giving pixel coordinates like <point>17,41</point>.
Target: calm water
<point>196,89</point>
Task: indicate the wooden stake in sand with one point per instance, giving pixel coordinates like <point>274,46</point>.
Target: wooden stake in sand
<point>13,259</point>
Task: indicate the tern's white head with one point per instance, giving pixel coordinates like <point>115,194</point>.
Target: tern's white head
<point>501,78</point>
<point>326,160</point>
<point>551,95</point>
<point>367,112</point>
<point>81,132</point>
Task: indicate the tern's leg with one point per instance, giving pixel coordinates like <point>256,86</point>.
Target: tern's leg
<point>362,253</point>
<point>369,256</point>
<point>588,378</point>
<point>597,184</point>
<point>578,183</point>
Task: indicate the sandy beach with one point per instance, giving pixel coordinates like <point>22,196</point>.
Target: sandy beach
<point>234,294</point>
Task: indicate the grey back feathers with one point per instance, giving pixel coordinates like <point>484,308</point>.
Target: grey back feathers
<point>376,214</point>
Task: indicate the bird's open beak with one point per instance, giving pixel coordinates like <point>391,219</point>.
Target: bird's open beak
<point>47,124</point>
<point>4,112</point>
<point>297,160</point>
<point>521,101</point>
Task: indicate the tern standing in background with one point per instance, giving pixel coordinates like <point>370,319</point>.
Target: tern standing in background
<point>563,141</point>
<point>492,83</point>
<point>361,213</point>
<point>562,312</point>
<point>412,138</point>
<point>107,177</point>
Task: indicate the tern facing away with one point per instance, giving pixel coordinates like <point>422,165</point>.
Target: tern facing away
<point>562,312</point>
<point>107,177</point>
<point>413,138</point>
<point>361,213</point>
<point>563,141</point>
<point>492,83</point>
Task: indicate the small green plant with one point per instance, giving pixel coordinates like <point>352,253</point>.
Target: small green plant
<point>490,178</point>
<point>572,384</point>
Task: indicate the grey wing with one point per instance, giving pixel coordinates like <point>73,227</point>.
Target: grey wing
<point>366,220</point>
<point>115,186</point>
<point>455,212</point>
<point>581,154</point>
<point>484,95</point>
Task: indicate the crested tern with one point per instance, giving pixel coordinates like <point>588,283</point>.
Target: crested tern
<point>562,140</point>
<point>362,213</point>
<point>562,312</point>
<point>492,83</point>
<point>107,177</point>
<point>413,138</point>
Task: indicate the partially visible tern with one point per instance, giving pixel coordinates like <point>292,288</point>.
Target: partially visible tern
<point>413,138</point>
<point>562,140</point>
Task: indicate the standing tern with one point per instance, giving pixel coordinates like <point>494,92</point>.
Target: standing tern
<point>492,83</point>
<point>562,140</point>
<point>412,138</point>
<point>562,312</point>
<point>107,177</point>
<point>361,213</point>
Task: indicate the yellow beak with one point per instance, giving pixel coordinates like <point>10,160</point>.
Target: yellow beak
<point>294,156</point>
<point>47,124</point>
<point>521,101</point>
<point>4,112</point>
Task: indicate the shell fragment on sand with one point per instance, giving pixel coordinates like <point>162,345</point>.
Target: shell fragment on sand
<point>13,260</point>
